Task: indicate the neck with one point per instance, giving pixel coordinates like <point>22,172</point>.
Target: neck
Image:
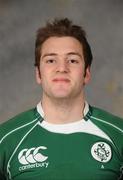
<point>60,111</point>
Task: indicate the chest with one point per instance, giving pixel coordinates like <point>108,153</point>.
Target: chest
<point>45,155</point>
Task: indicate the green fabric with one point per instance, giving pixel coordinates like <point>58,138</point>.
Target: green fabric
<point>28,151</point>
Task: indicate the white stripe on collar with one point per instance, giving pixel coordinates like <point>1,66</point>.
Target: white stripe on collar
<point>79,126</point>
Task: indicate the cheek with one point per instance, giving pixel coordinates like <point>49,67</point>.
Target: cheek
<point>80,74</point>
<point>45,77</point>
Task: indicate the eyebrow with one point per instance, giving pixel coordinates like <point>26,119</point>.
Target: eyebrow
<point>75,53</point>
<point>55,54</point>
<point>49,54</point>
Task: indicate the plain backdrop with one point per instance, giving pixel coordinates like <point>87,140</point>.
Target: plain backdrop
<point>19,21</point>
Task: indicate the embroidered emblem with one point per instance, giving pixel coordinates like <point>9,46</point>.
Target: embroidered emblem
<point>32,155</point>
<point>32,158</point>
<point>101,151</point>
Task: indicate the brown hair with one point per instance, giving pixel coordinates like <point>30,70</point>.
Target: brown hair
<point>61,28</point>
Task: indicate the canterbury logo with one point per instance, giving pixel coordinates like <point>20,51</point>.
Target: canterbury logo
<point>32,155</point>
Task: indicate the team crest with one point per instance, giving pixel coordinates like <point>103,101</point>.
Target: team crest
<point>101,151</point>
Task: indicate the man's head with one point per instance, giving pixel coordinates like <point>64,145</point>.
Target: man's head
<point>62,28</point>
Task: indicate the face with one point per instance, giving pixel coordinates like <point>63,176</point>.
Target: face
<point>62,68</point>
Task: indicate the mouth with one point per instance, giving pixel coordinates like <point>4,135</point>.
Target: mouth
<point>61,80</point>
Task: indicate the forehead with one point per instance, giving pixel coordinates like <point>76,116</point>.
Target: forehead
<point>61,45</point>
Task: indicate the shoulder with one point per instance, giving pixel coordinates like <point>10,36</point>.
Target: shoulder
<point>19,121</point>
<point>111,126</point>
<point>104,117</point>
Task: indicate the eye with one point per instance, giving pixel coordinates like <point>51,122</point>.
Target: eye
<point>50,61</point>
<point>73,61</point>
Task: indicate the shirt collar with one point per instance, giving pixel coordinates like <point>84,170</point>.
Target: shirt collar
<point>41,112</point>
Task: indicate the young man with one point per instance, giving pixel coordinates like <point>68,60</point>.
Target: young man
<point>63,138</point>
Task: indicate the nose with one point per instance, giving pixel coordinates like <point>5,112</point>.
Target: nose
<point>62,66</point>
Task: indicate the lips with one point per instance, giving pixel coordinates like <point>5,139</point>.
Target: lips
<point>61,80</point>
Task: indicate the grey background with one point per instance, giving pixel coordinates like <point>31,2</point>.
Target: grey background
<point>19,20</point>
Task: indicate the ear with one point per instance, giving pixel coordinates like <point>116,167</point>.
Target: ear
<point>38,75</point>
<point>87,76</point>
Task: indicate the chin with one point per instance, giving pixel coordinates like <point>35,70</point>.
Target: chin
<point>61,95</point>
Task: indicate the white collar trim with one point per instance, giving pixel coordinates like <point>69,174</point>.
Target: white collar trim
<point>79,126</point>
<point>62,128</point>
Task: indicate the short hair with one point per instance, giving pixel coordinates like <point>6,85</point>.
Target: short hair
<point>61,28</point>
